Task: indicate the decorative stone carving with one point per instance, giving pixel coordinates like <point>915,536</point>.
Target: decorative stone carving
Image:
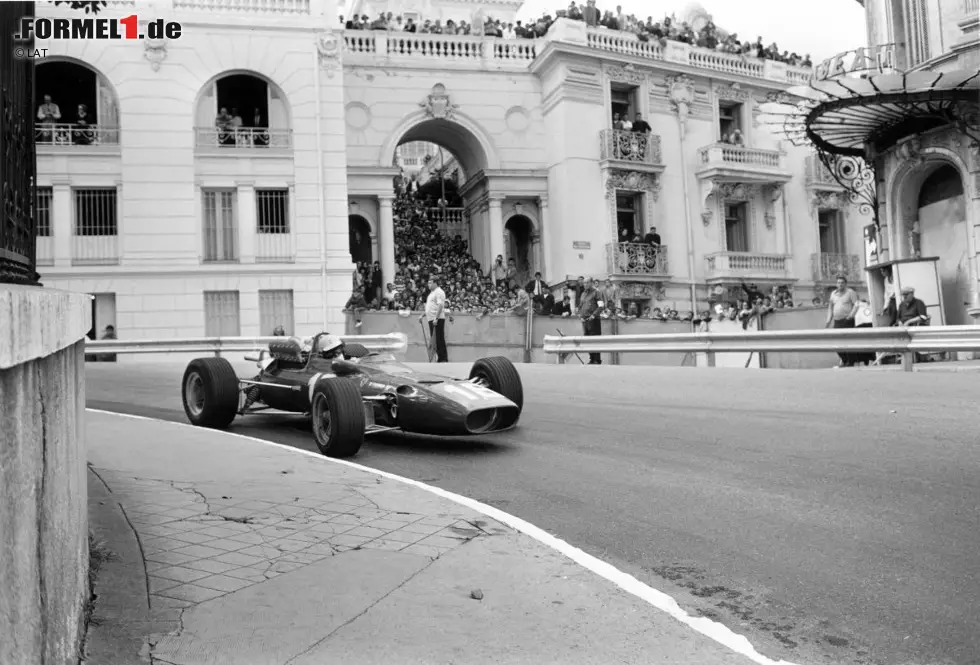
<point>780,98</point>
<point>770,219</point>
<point>733,191</point>
<point>915,248</point>
<point>706,216</point>
<point>827,200</point>
<point>626,74</point>
<point>155,52</point>
<point>680,92</point>
<point>641,291</point>
<point>437,104</point>
<point>632,181</point>
<point>910,151</point>
<point>328,47</point>
<point>733,92</point>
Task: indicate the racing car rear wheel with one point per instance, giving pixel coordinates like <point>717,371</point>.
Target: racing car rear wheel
<point>499,375</point>
<point>338,417</point>
<point>210,392</point>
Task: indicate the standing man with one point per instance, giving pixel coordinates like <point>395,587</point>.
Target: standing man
<point>588,311</point>
<point>537,289</point>
<point>435,314</point>
<point>843,306</point>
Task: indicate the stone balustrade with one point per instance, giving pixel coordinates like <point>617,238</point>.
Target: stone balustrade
<point>746,265</point>
<point>726,154</point>
<point>625,146</point>
<point>254,7</point>
<point>451,221</point>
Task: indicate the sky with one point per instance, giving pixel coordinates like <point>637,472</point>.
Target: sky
<point>822,28</point>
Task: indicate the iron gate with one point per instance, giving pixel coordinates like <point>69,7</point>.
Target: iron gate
<point>18,163</point>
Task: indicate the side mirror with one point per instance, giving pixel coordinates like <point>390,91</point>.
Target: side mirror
<point>343,367</point>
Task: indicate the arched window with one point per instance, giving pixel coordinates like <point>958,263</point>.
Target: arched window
<point>76,106</point>
<point>242,110</point>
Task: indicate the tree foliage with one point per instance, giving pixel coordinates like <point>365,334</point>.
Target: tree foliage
<point>90,7</point>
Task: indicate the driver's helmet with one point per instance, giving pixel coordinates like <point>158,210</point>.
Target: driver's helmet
<point>329,346</point>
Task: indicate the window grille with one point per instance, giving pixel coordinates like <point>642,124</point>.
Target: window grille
<point>221,314</point>
<point>95,212</point>
<point>276,309</point>
<point>272,210</point>
<point>220,225</point>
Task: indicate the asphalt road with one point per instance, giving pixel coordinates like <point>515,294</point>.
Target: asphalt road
<point>833,517</point>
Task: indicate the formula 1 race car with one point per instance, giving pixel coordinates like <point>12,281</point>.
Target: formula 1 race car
<point>351,392</point>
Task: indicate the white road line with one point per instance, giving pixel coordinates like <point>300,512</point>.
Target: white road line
<point>658,599</point>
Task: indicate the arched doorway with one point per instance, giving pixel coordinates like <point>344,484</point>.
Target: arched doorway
<point>520,232</point>
<point>943,232</point>
<point>360,239</point>
<point>76,105</point>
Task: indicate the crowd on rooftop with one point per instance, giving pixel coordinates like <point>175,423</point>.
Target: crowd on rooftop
<point>668,29</point>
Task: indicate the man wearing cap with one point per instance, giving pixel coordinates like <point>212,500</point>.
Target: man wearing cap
<point>840,313</point>
<point>912,311</point>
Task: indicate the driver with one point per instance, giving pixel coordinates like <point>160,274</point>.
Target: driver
<point>331,347</point>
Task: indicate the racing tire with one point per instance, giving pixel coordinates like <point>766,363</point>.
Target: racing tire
<point>499,375</point>
<point>337,412</point>
<point>210,392</point>
<point>356,350</point>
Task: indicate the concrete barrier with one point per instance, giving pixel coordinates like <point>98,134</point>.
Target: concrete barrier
<point>798,318</point>
<point>43,507</point>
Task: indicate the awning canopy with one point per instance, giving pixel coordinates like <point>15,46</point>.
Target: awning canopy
<point>852,115</point>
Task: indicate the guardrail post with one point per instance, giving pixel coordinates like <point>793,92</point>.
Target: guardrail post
<point>908,360</point>
<point>217,350</point>
<point>709,358</point>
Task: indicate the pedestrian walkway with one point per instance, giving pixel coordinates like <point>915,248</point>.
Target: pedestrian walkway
<point>224,550</point>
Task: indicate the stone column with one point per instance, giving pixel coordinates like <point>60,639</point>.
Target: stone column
<point>496,220</point>
<point>247,223</point>
<point>386,238</point>
<point>544,239</point>
<point>61,222</point>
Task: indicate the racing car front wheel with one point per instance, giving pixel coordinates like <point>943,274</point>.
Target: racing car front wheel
<point>210,392</point>
<point>499,375</point>
<point>338,417</point>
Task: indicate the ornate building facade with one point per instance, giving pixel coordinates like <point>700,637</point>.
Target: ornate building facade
<point>213,181</point>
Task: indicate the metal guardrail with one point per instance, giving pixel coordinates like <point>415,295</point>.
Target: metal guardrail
<point>392,342</point>
<point>899,340</point>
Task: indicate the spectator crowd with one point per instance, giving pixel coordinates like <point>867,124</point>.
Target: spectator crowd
<point>669,29</point>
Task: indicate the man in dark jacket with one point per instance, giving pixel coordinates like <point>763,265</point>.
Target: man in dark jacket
<point>588,311</point>
<point>537,289</point>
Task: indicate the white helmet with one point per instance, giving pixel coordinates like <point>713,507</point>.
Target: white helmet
<point>329,343</point>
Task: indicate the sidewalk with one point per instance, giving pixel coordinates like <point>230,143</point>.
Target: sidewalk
<point>229,551</point>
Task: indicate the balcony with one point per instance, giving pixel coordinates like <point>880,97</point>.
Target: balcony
<point>451,221</point>
<point>724,162</point>
<point>274,247</point>
<point>251,140</point>
<point>378,47</point>
<point>636,260</point>
<point>252,7</point>
<point>722,267</point>
<point>630,150</point>
<point>66,136</point>
<point>826,267</point>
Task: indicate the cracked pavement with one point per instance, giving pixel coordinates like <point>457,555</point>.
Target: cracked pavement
<point>244,553</point>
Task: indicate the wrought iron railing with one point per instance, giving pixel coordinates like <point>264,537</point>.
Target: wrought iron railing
<point>258,138</point>
<point>827,267</point>
<point>18,163</point>
<point>68,134</point>
<point>637,258</point>
<point>627,146</point>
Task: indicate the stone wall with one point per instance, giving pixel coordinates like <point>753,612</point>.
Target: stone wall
<point>43,520</point>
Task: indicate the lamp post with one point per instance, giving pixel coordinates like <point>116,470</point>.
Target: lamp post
<point>18,160</point>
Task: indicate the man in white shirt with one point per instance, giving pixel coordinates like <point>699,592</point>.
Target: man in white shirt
<point>435,314</point>
<point>843,307</point>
